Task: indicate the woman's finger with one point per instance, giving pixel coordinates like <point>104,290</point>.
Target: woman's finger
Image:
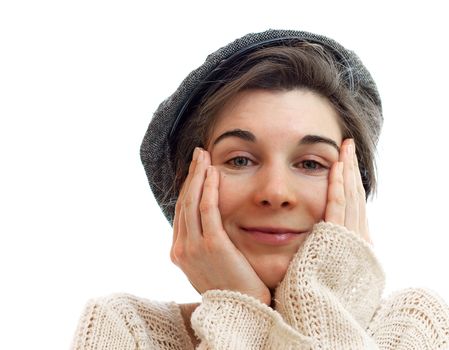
<point>210,213</point>
<point>336,206</point>
<point>179,216</point>
<point>363,221</point>
<point>193,195</point>
<point>351,194</point>
<point>176,223</point>
<point>179,224</point>
<point>192,167</point>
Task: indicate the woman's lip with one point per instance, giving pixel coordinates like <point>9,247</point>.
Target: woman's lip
<point>271,230</point>
<point>272,238</point>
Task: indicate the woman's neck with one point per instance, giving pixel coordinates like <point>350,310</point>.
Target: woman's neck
<point>186,313</point>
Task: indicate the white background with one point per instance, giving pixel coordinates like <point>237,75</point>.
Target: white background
<point>79,81</point>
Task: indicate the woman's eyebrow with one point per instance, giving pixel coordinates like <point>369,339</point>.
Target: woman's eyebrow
<point>241,134</point>
<point>249,136</point>
<point>312,139</point>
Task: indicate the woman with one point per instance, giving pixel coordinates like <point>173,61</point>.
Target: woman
<point>262,160</point>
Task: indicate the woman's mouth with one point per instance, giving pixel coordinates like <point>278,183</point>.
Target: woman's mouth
<point>272,236</point>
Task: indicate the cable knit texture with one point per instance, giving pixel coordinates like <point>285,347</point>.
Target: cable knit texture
<point>330,298</point>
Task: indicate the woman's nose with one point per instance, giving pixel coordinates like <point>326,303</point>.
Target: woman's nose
<point>273,188</point>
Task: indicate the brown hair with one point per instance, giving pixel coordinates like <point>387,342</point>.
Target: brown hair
<point>282,68</point>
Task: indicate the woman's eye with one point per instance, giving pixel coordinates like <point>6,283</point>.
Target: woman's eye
<point>239,162</point>
<point>311,165</point>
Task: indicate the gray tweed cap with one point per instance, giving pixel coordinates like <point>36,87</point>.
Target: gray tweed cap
<point>156,149</point>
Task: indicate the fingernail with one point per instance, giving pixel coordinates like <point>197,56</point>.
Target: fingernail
<point>195,153</point>
<point>200,155</point>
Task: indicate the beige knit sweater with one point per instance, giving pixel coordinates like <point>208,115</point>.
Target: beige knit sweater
<point>330,298</point>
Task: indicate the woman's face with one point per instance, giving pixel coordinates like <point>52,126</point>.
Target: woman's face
<point>274,151</point>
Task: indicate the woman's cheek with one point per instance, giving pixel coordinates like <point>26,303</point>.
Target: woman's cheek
<point>317,197</point>
<point>231,192</point>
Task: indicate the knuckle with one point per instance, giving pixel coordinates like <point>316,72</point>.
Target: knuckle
<point>353,196</point>
<point>340,201</point>
<point>173,257</point>
<point>339,182</point>
<point>206,206</point>
<point>181,254</point>
<point>177,253</point>
<point>210,244</point>
<point>193,251</point>
<point>208,185</point>
<point>188,201</point>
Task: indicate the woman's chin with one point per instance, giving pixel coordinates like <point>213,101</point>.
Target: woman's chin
<point>270,266</point>
<point>273,274</point>
<point>272,283</point>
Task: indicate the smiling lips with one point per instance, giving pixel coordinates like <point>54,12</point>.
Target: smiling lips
<point>273,236</point>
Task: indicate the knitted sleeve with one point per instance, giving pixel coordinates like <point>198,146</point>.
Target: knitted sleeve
<point>412,319</point>
<point>101,328</point>
<point>124,322</point>
<point>332,289</point>
<point>231,320</point>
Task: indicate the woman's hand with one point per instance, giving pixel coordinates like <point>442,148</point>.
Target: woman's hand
<point>201,247</point>
<point>346,204</point>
